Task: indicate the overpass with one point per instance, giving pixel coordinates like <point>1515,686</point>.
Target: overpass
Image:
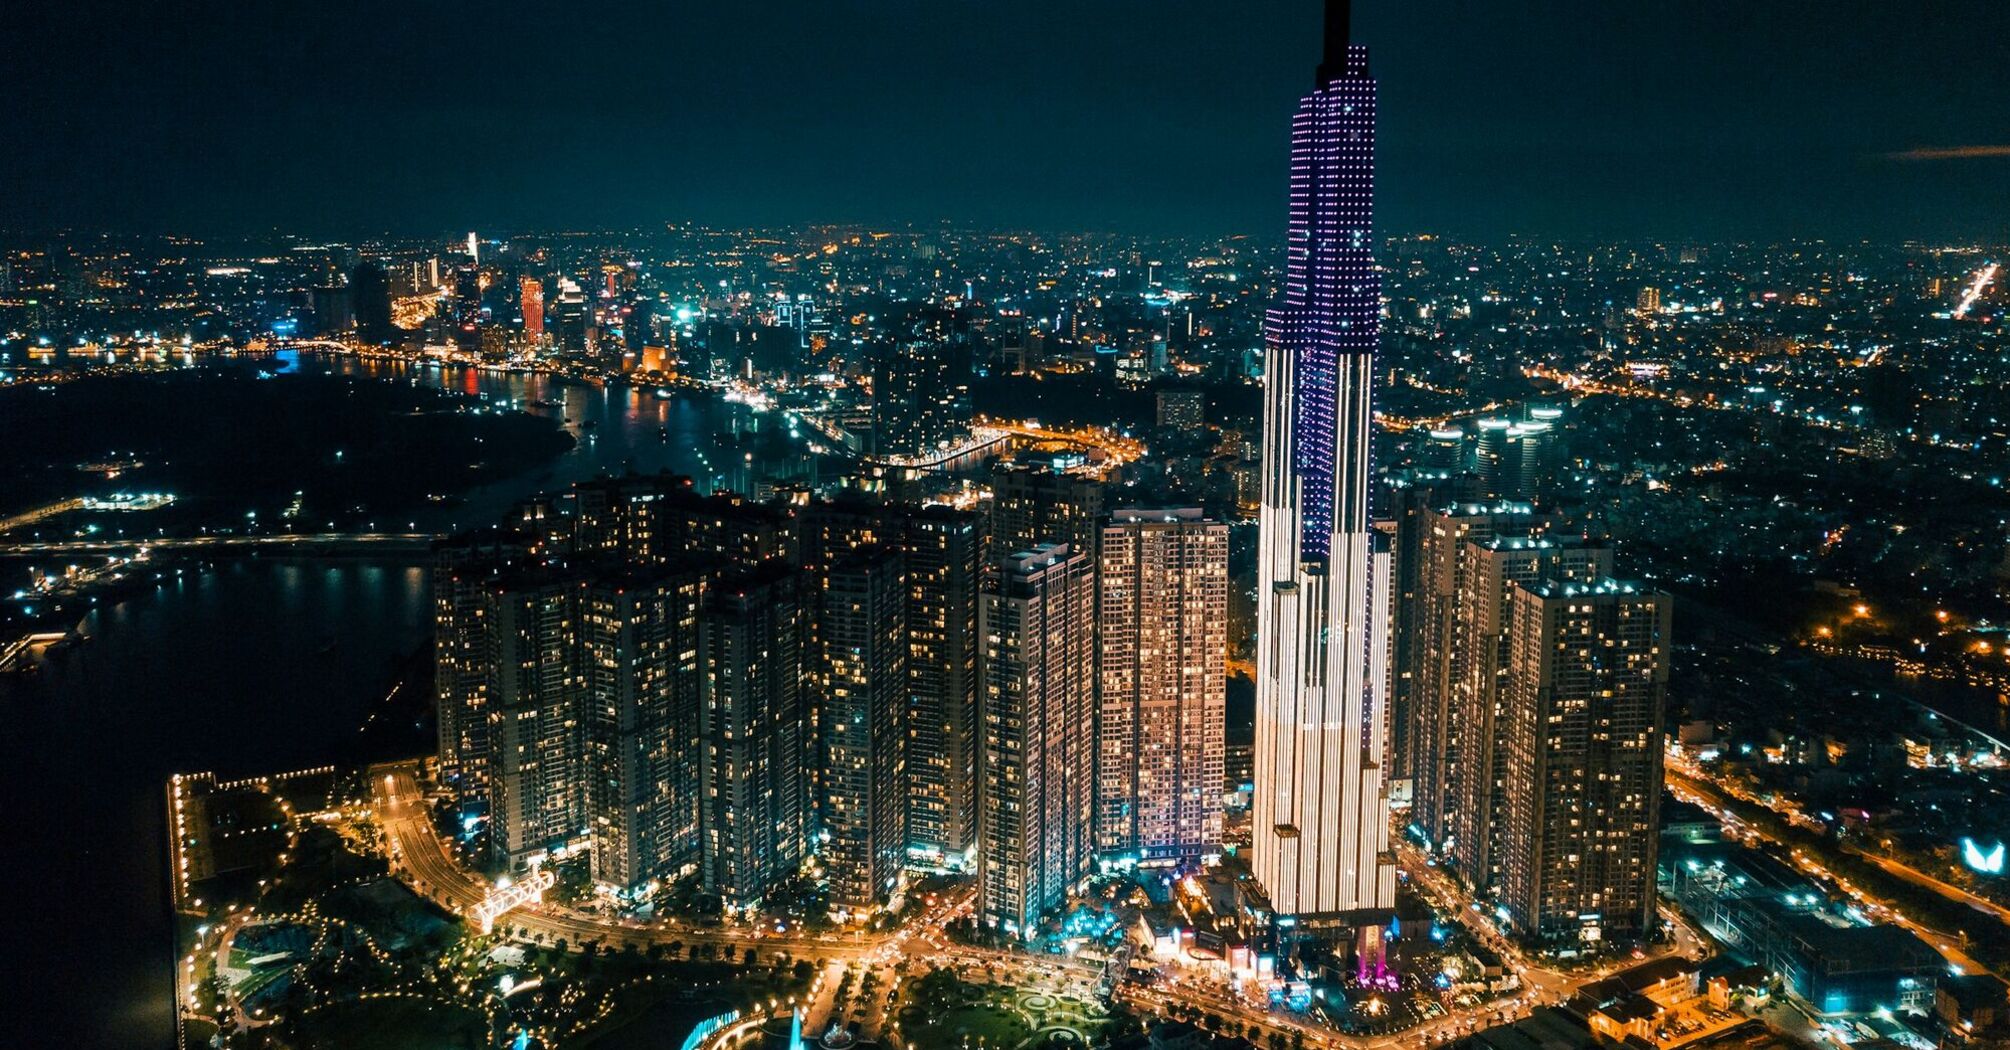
<point>41,513</point>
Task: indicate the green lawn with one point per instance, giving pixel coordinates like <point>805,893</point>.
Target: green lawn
<point>943,1013</point>
<point>995,1026</point>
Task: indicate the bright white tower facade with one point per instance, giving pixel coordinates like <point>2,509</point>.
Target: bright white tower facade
<point>1321,820</point>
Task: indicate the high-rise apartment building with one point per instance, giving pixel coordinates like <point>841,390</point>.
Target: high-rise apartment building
<point>827,534</point>
<point>1430,534</point>
<point>463,570</point>
<point>583,704</point>
<point>1413,504</point>
<point>1163,683</point>
<point>1183,410</point>
<point>1485,574</point>
<point>621,518</point>
<point>661,519</point>
<point>537,786</point>
<point>1033,505</point>
<point>1586,680</point>
<point>829,531</point>
<point>920,397</point>
<point>754,730</point>
<point>639,660</point>
<point>943,549</point>
<point>862,632</point>
<point>1320,815</point>
<point>1039,736</point>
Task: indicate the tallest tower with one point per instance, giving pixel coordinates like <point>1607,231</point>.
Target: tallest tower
<point>1321,826</point>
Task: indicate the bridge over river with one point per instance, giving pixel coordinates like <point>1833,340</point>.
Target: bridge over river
<point>301,544</point>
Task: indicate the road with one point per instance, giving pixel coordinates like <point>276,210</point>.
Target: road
<point>418,854</point>
<point>1712,797</point>
<point>1945,889</point>
<point>920,943</point>
<point>1449,898</point>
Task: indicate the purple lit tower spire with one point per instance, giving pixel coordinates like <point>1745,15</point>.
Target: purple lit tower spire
<point>1321,844</point>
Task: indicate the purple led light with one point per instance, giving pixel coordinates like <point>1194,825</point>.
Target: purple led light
<point>1331,306</point>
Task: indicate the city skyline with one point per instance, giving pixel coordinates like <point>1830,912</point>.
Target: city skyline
<point>1690,119</point>
<point>925,635</point>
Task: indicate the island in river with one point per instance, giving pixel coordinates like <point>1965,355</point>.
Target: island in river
<point>242,447</point>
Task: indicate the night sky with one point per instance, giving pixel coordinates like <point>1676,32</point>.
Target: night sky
<point>1571,118</point>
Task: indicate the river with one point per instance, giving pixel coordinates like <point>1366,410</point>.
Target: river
<point>232,670</point>
<point>717,443</point>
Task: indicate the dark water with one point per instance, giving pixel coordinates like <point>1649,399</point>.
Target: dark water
<point>224,670</point>
<point>219,670</point>
<point>718,444</point>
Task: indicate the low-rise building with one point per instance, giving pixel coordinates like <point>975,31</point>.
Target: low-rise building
<point>1827,957</point>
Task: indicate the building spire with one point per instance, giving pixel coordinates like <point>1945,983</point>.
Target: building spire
<point>1333,60</point>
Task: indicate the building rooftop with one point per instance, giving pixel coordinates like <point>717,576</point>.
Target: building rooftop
<point>1843,949</point>
<point>1579,588</point>
<point>1547,1028</point>
<point>1623,996</point>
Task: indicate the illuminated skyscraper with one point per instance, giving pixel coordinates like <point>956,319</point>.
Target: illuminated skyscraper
<point>1484,575</point>
<point>1034,505</point>
<point>463,570</point>
<point>467,307</point>
<point>862,632</point>
<point>532,305</point>
<point>1163,617</point>
<point>639,660</point>
<point>1039,736</point>
<point>1586,679</point>
<point>944,551</point>
<point>569,320</point>
<point>537,785</point>
<point>754,723</point>
<point>1320,821</point>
